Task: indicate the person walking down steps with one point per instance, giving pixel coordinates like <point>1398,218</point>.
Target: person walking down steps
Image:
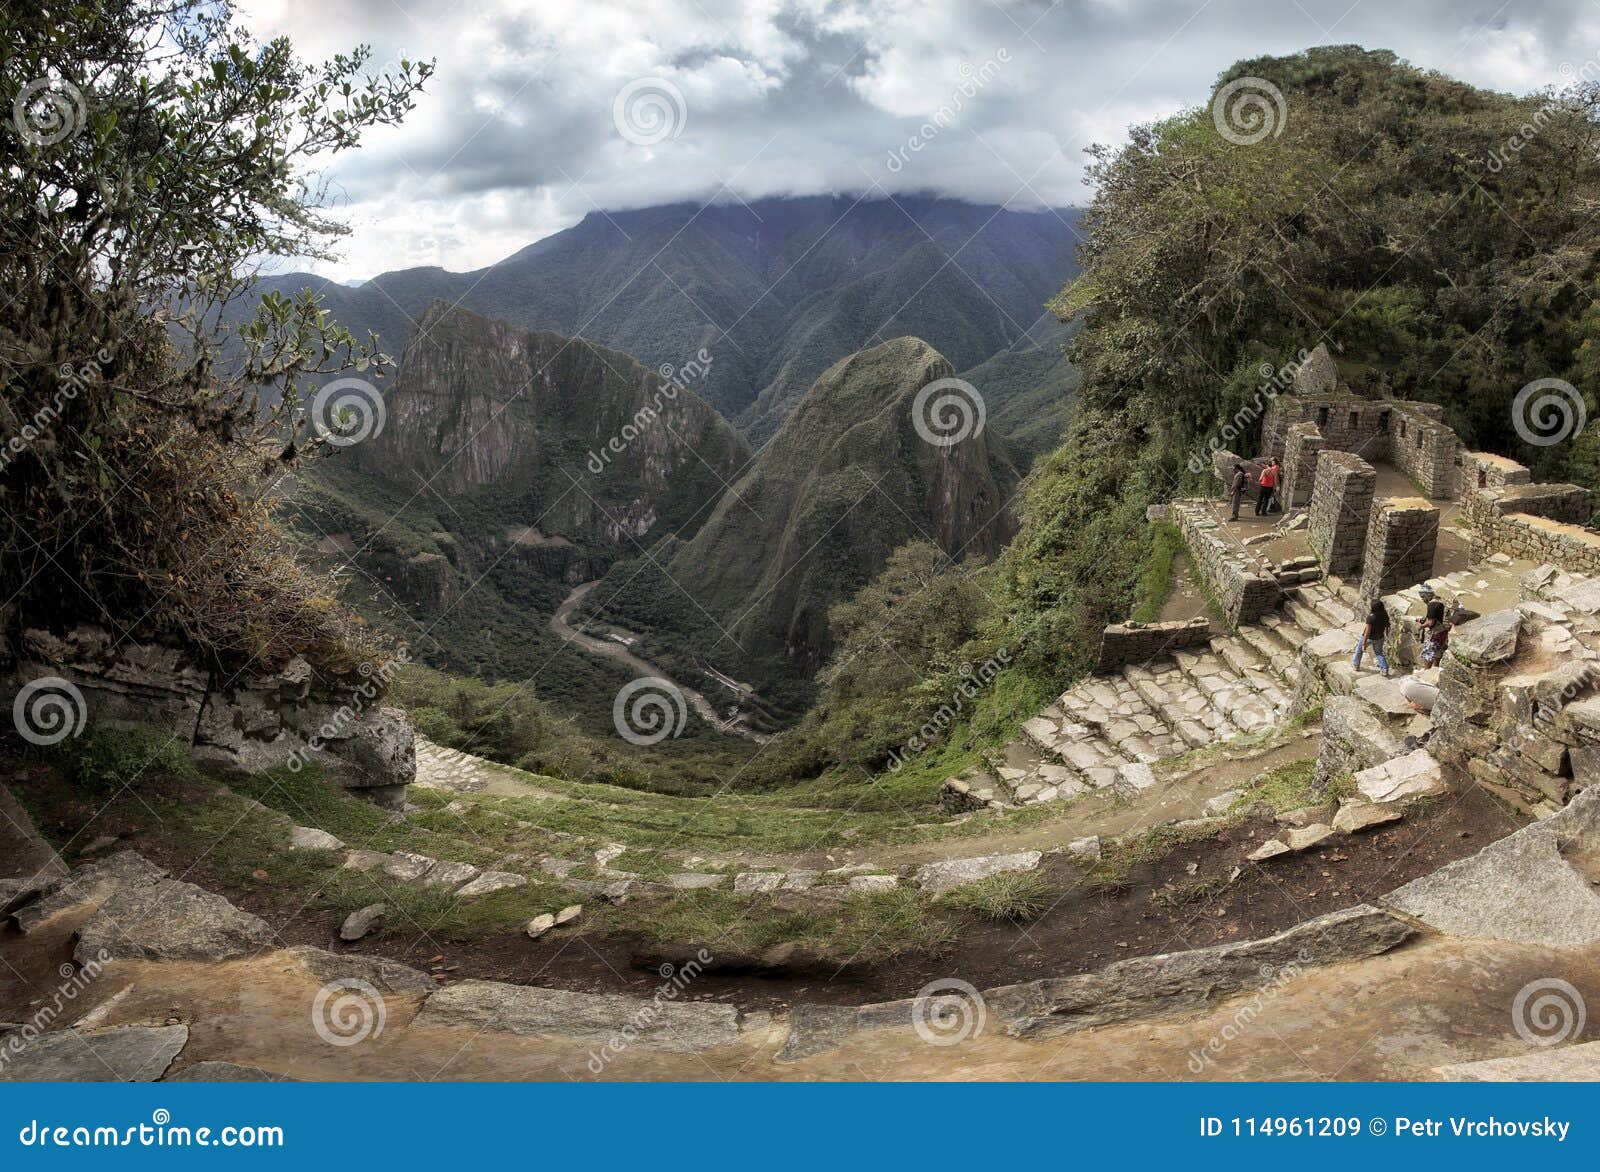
<point>1241,481</point>
<point>1373,635</point>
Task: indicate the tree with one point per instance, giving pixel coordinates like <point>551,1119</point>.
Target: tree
<point>157,155</point>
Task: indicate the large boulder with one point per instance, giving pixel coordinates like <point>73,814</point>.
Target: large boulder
<point>169,920</point>
<point>87,884</point>
<point>1490,639</point>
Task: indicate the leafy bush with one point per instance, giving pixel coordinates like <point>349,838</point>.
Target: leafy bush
<point>107,759</point>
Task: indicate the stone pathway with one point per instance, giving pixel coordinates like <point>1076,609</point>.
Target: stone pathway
<point>1107,731</point>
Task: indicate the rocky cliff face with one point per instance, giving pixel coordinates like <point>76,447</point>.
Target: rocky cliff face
<point>591,446</point>
<point>879,452</point>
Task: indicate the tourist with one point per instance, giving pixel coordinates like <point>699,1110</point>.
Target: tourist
<point>1418,694</point>
<point>1268,482</point>
<point>1241,481</point>
<point>1373,635</point>
<point>1435,629</point>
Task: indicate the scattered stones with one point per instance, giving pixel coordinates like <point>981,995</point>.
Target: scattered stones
<point>939,877</point>
<point>132,1054</point>
<point>309,838</point>
<point>757,882</point>
<point>539,925</point>
<point>569,913</point>
<point>491,881</point>
<point>872,884</point>
<point>1270,849</point>
<point>358,923</point>
<point>1085,849</point>
<point>1218,805</point>
<point>365,860</point>
<point>560,868</point>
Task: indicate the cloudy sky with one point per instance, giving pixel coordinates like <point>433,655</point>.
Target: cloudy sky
<point>544,110</point>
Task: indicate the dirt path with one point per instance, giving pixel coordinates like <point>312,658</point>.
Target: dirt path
<point>562,628</point>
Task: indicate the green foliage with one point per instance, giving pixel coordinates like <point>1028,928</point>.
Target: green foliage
<point>1015,896</point>
<point>1155,580</point>
<point>1288,787</point>
<point>106,759</point>
<point>176,162</point>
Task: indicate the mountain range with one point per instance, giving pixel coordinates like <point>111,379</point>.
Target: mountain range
<point>776,291</point>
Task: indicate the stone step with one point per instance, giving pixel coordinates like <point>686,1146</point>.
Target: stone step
<point>1278,654</point>
<point>1336,612</point>
<point>1223,690</point>
<point>1285,630</point>
<point>1238,653</point>
<point>1304,615</point>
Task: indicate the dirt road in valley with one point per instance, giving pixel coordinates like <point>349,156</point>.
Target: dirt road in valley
<point>561,626</point>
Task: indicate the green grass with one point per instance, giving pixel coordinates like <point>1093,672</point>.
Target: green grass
<point>1016,896</point>
<point>1288,787</point>
<point>1155,577</point>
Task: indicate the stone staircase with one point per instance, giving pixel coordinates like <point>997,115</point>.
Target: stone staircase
<point>1107,731</point>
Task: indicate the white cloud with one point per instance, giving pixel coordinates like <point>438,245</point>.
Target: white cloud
<point>515,137</point>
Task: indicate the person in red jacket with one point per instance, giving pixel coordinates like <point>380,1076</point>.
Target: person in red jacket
<point>1267,496</point>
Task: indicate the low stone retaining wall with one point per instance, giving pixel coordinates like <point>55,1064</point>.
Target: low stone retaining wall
<point>86,676</point>
<point>1122,644</point>
<point>1243,591</point>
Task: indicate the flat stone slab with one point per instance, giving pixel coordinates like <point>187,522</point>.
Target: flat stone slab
<point>133,1054</point>
<point>949,874</point>
<point>1305,837</point>
<point>756,882</point>
<point>169,920</point>
<point>1355,816</point>
<point>309,838</point>
<point>1577,1063</point>
<point>1519,889</point>
<point>491,881</point>
<point>657,1024</point>
<point>91,883</point>
<point>446,873</point>
<point>1414,775</point>
<point>387,976</point>
<point>24,854</point>
<point>1187,980</point>
<point>1491,638</point>
<point>692,881</point>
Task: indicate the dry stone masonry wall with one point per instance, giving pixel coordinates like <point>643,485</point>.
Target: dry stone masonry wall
<point>1341,504</point>
<point>1243,592</point>
<point>1402,539</point>
<point>1123,644</point>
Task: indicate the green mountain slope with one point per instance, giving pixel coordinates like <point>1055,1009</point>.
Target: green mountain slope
<point>494,488</point>
<point>847,479</point>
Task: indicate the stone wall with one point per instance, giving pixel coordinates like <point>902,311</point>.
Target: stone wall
<point>1123,644</point>
<point>1344,422</point>
<point>1402,539</point>
<point>1242,590</point>
<point>251,722</point>
<point>1341,503</point>
<point>1301,446</point>
<point>1422,447</point>
<point>1528,733</point>
<point>1534,522</point>
<point>1480,470</point>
